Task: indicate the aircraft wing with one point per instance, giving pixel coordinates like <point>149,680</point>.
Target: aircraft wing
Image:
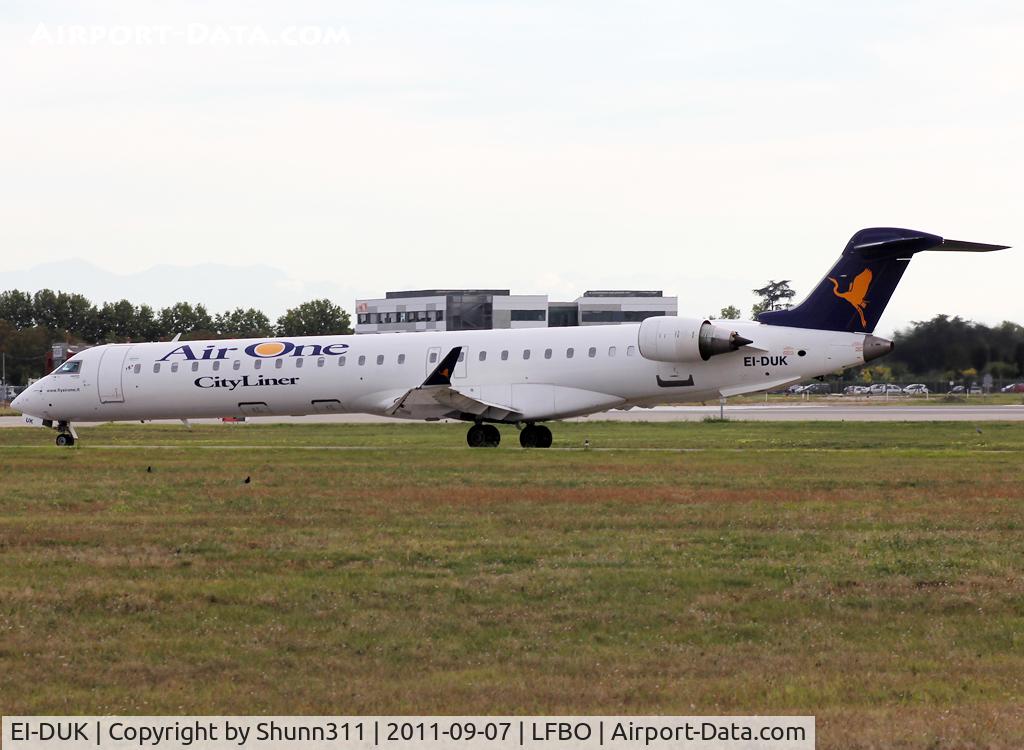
<point>771,385</point>
<point>437,398</point>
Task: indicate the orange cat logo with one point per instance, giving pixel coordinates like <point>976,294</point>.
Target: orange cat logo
<point>856,293</point>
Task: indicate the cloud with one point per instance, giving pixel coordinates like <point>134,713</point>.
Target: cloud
<point>694,148</point>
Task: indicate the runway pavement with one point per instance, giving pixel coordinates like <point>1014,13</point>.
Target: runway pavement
<point>757,413</point>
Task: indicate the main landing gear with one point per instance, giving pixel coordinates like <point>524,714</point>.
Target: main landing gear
<point>483,436</point>
<point>487,436</point>
<point>535,436</point>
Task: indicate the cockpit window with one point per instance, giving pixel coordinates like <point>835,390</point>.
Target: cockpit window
<point>74,366</point>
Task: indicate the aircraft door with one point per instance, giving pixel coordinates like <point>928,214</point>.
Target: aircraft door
<point>109,376</point>
<point>433,357</point>
<point>460,366</point>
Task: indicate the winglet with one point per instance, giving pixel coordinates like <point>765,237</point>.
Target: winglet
<point>442,374</point>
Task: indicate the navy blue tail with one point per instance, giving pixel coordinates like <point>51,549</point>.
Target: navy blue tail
<point>853,295</point>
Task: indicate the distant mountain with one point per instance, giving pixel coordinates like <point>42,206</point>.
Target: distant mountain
<point>219,287</point>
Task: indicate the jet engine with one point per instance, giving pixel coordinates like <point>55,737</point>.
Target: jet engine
<point>672,339</point>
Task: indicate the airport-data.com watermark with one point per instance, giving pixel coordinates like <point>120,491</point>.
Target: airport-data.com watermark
<point>192,34</point>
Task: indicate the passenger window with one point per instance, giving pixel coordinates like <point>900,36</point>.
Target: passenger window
<point>216,366</point>
<point>298,362</point>
<point>257,364</point>
<point>482,356</point>
<point>569,353</point>
<point>174,366</point>
<point>611,351</point>
<point>526,353</point>
<point>592,352</point>
<point>380,359</point>
<point>630,351</point>
<point>362,360</point>
<point>547,354</point>
<point>278,363</point>
<point>195,367</point>
<point>504,354</point>
<point>320,362</point>
<point>341,361</point>
<point>236,365</point>
<point>462,356</point>
<point>433,358</point>
<point>156,367</point>
<point>401,359</point>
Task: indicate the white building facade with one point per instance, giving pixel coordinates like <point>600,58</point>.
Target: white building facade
<point>482,309</point>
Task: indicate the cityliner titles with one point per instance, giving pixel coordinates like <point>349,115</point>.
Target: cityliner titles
<point>246,381</point>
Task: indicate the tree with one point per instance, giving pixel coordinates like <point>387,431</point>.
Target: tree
<point>191,322</point>
<point>16,308</point>
<point>147,327</point>
<point>775,295</point>
<point>26,350</point>
<point>115,321</point>
<point>319,317</point>
<point>74,312</point>
<point>44,309</point>
<point>729,313</point>
<point>243,324</point>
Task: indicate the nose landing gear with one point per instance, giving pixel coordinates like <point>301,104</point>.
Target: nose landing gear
<point>483,436</point>
<point>66,436</point>
<point>535,436</point>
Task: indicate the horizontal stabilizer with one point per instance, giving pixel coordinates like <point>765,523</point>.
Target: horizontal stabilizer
<point>969,247</point>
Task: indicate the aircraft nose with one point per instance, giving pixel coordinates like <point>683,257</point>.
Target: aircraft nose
<point>23,402</point>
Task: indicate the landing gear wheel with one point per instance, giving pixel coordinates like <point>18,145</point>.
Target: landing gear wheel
<point>476,437</point>
<point>493,435</point>
<point>535,436</point>
<point>543,436</point>
<point>65,440</point>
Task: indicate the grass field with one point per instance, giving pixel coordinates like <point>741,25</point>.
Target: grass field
<point>871,574</point>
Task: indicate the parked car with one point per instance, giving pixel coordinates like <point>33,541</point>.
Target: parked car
<point>855,390</point>
<point>816,388</point>
<point>973,390</point>
<point>916,389</point>
<point>1013,388</point>
<point>880,389</point>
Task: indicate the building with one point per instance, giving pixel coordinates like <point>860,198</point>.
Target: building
<point>481,309</point>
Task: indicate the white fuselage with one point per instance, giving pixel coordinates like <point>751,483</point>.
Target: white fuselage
<point>535,374</point>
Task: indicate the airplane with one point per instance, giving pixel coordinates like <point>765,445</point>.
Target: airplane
<point>521,377</point>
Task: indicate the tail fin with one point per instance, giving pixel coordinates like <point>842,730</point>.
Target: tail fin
<point>853,295</point>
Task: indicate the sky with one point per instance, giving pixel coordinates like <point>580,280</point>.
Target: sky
<point>354,148</point>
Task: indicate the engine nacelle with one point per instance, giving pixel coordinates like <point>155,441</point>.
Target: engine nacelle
<point>672,339</point>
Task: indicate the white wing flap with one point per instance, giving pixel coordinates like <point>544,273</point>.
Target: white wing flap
<point>428,401</point>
